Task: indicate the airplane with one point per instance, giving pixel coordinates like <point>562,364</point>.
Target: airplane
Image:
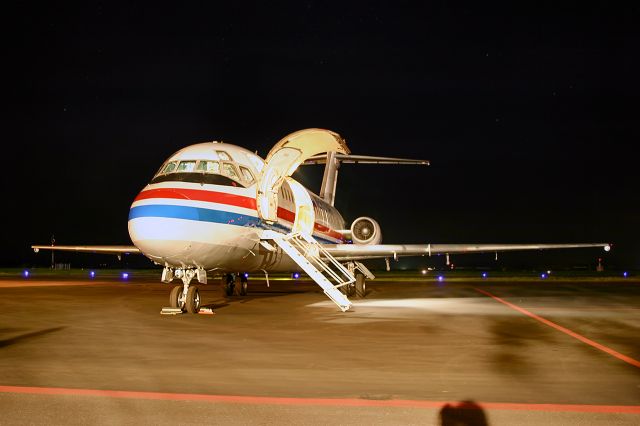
<point>219,208</point>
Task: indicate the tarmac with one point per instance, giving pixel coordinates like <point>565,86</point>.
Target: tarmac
<point>423,352</point>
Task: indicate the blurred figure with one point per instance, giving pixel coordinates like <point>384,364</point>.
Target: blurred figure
<point>465,413</point>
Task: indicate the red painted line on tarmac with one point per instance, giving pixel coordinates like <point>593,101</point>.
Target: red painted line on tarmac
<point>336,402</point>
<point>565,330</point>
<point>29,283</point>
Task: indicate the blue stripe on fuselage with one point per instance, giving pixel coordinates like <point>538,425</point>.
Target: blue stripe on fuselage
<point>206,215</point>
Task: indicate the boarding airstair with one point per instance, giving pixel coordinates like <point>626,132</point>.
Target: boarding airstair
<point>323,268</point>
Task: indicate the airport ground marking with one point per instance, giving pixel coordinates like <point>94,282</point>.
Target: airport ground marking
<point>336,402</point>
<point>565,330</point>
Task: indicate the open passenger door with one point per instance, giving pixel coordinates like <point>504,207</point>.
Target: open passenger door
<point>283,159</point>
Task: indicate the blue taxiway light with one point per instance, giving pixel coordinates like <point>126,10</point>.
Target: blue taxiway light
<point>125,275</point>
<point>625,274</point>
<point>543,276</point>
<point>25,273</point>
<point>92,274</point>
<point>246,275</point>
<point>296,275</point>
<point>484,275</point>
<point>440,278</point>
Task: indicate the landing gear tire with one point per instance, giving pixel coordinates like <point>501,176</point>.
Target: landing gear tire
<point>244,285</point>
<point>229,285</point>
<point>174,297</point>
<point>349,290</point>
<point>193,300</point>
<point>361,286</point>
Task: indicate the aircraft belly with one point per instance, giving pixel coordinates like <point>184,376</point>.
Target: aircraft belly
<point>181,243</point>
<point>189,243</point>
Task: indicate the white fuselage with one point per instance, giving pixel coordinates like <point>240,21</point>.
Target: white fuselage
<point>199,211</point>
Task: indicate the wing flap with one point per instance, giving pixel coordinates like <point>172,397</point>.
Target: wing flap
<point>357,252</point>
<point>91,249</point>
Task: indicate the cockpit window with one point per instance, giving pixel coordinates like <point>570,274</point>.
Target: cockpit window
<point>229,170</point>
<point>170,167</point>
<point>246,173</point>
<point>214,172</point>
<point>223,155</point>
<point>186,166</point>
<point>208,167</point>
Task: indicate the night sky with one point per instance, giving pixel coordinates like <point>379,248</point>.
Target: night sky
<point>529,115</point>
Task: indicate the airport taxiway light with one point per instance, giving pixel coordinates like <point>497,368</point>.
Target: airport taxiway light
<point>125,275</point>
<point>92,274</point>
<point>246,275</point>
<point>624,274</point>
<point>296,275</point>
<point>543,276</point>
<point>484,275</point>
<point>440,278</point>
<point>25,274</point>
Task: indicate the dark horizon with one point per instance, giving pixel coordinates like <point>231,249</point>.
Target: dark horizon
<point>527,116</point>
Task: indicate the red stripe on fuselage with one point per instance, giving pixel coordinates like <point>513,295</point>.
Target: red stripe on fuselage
<point>225,198</point>
<point>199,195</point>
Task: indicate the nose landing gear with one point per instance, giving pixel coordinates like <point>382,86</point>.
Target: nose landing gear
<point>185,297</point>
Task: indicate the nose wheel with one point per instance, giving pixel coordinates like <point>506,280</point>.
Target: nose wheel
<point>189,302</point>
<point>184,297</point>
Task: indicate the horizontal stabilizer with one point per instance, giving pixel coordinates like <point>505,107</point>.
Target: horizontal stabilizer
<point>364,159</point>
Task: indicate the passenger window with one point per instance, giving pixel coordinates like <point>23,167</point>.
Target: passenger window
<point>247,174</point>
<point>229,170</point>
<point>223,155</point>
<point>170,167</point>
<point>186,166</point>
<point>209,167</point>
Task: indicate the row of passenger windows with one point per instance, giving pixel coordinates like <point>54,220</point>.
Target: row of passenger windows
<point>330,217</point>
<point>231,170</point>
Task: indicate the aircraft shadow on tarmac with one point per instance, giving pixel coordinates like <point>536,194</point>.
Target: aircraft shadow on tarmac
<point>28,336</point>
<point>223,302</point>
<point>465,413</point>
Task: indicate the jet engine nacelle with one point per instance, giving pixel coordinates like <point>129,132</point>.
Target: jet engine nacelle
<point>365,230</point>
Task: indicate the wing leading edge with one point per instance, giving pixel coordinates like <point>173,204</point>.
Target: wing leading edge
<point>360,252</point>
<point>91,249</point>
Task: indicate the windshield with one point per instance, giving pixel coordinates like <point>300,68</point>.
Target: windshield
<point>202,171</point>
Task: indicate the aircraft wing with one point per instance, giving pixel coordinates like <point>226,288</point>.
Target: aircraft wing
<point>375,251</point>
<point>91,249</point>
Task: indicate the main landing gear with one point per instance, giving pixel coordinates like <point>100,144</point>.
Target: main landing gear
<point>185,297</point>
<point>232,281</point>
<point>357,288</point>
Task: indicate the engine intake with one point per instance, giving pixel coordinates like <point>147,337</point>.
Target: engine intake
<point>365,230</point>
